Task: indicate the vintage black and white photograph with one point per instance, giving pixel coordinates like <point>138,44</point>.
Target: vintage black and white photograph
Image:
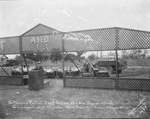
<point>74,59</point>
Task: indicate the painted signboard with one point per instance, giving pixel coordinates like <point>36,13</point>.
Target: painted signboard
<point>9,45</point>
<point>90,40</point>
<point>40,29</point>
<point>41,43</point>
<point>133,39</point>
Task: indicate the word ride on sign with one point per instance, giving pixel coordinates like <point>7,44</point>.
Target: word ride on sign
<point>40,40</point>
<point>78,37</point>
<point>78,41</point>
<point>43,43</point>
<point>2,44</point>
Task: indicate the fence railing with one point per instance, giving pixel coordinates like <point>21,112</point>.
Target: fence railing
<point>108,83</point>
<point>11,80</point>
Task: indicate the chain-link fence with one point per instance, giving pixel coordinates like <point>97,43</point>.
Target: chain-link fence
<point>126,71</point>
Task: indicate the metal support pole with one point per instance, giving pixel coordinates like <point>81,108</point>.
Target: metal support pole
<point>63,50</point>
<point>97,55</point>
<point>22,68</point>
<point>4,70</point>
<point>117,74</point>
<point>2,66</point>
<point>101,54</point>
<point>72,61</point>
<point>116,48</point>
<point>20,47</point>
<point>5,56</point>
<point>26,62</point>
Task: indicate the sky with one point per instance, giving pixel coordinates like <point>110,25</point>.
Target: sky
<point>18,16</point>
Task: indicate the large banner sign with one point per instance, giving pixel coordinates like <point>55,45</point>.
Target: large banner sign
<point>9,45</point>
<point>90,40</point>
<point>133,39</point>
<point>42,43</point>
<point>87,40</point>
<point>107,39</point>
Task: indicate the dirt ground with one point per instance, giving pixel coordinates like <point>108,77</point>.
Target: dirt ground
<point>56,101</point>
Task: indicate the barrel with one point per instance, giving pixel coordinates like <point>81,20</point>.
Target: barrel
<point>36,80</point>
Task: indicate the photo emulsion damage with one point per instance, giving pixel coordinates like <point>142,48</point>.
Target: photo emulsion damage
<point>74,59</point>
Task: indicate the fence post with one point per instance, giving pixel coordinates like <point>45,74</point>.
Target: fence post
<point>116,48</point>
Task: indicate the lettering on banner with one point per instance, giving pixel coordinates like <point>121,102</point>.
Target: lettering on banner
<point>39,39</point>
<point>36,41</point>
<point>45,46</point>
<point>2,44</point>
<point>55,32</point>
<point>36,46</point>
<point>78,37</point>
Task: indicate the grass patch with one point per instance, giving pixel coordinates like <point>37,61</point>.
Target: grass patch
<point>70,102</point>
<point>135,72</point>
<point>2,110</point>
<point>138,62</point>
